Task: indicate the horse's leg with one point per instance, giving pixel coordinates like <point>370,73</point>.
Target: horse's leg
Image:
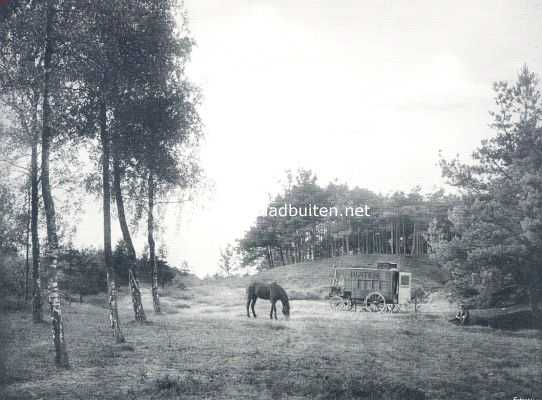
<point>272,307</point>
<point>253,304</point>
<point>275,310</point>
<point>249,300</point>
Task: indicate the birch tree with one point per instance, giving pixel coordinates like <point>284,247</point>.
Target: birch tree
<point>21,33</point>
<point>163,126</point>
<point>61,353</point>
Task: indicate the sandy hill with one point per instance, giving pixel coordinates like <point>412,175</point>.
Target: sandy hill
<point>311,278</point>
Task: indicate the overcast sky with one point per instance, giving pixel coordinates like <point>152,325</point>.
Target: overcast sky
<point>364,91</point>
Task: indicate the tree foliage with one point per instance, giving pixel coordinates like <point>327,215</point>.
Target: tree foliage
<point>105,78</point>
<point>494,234</point>
<point>395,224</point>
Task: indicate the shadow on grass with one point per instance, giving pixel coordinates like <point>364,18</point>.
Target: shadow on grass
<point>134,322</point>
<point>173,387</point>
<point>275,326</point>
<point>509,322</point>
<point>345,388</point>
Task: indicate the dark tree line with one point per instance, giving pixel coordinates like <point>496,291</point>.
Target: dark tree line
<point>395,224</point>
<point>83,271</point>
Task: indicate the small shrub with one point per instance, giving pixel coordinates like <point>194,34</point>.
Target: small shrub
<point>12,278</point>
<point>419,296</point>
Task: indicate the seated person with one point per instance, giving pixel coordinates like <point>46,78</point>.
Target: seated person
<point>462,316</point>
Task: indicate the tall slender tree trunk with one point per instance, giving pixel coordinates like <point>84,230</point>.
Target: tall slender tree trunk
<point>108,253</point>
<point>139,312</point>
<point>27,241</point>
<point>414,241</point>
<point>282,259</point>
<point>403,236</point>
<point>152,245</point>
<point>358,251</point>
<point>270,257</point>
<point>393,241</point>
<point>399,241</point>
<point>37,313</point>
<point>61,353</point>
<point>287,254</point>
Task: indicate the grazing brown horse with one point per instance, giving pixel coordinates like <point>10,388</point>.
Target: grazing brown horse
<point>272,292</point>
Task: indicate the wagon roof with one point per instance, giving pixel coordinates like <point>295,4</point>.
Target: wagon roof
<point>364,268</point>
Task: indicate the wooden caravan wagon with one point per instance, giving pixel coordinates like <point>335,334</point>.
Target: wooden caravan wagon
<point>377,289</point>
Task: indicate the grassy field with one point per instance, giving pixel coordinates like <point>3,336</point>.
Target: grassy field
<point>203,346</point>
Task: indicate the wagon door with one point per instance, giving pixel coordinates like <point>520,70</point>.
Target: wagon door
<point>404,287</point>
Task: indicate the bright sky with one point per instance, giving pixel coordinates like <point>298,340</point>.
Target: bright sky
<point>364,91</point>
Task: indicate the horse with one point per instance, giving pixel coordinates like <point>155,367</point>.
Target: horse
<point>272,292</point>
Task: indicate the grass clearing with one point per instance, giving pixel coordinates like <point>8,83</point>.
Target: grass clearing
<point>211,350</point>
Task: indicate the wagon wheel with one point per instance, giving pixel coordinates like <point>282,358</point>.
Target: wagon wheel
<point>338,303</point>
<point>375,302</point>
<point>348,305</point>
<point>388,308</point>
<point>335,303</point>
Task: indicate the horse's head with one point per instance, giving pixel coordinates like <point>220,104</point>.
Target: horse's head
<point>286,309</point>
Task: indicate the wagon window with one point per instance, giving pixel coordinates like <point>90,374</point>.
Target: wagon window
<point>405,280</point>
<point>364,284</point>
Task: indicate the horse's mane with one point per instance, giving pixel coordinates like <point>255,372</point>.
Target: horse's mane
<point>283,294</point>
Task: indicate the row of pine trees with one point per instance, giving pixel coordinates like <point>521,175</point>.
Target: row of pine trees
<point>396,224</point>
